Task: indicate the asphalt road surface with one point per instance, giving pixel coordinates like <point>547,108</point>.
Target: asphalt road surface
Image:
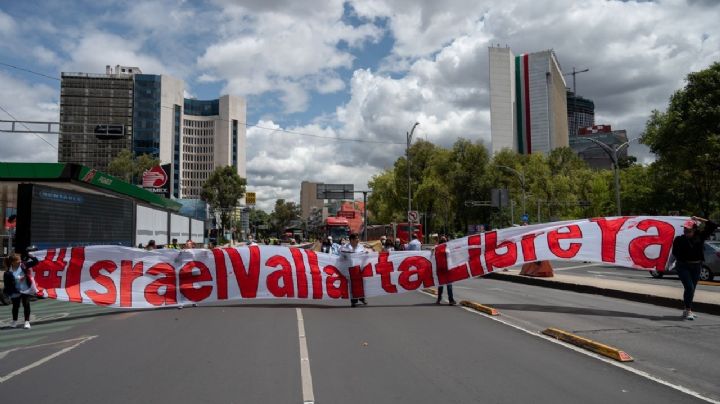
<point>401,349</point>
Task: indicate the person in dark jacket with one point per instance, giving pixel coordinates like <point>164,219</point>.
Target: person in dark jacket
<point>18,286</point>
<point>451,299</point>
<point>688,251</point>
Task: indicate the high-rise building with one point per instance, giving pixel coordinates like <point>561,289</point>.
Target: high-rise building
<point>308,199</point>
<point>528,104</point>
<point>593,153</point>
<point>124,109</point>
<point>581,113</point>
<point>213,135</point>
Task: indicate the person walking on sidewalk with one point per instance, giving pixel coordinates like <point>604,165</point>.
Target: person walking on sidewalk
<point>18,286</point>
<point>688,251</point>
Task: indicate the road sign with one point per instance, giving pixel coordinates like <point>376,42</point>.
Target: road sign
<point>499,197</point>
<point>413,216</point>
<point>525,218</point>
<point>343,192</point>
<point>250,198</point>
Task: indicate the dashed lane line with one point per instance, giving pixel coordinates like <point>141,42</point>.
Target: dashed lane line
<point>305,375</point>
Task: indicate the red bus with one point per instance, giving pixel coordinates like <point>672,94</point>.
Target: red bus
<point>337,228</point>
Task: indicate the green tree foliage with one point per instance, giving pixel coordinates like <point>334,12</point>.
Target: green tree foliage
<point>222,191</point>
<point>686,139</point>
<point>129,167</point>
<point>283,213</point>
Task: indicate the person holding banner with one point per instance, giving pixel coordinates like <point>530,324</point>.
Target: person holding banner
<point>688,251</point>
<point>451,298</point>
<point>354,247</point>
<point>19,286</point>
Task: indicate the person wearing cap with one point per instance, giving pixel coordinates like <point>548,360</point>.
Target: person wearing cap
<point>354,247</point>
<point>688,251</point>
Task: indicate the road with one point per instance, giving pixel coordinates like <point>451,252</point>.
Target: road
<point>401,349</point>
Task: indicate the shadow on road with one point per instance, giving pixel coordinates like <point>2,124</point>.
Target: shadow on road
<point>312,306</point>
<point>583,311</point>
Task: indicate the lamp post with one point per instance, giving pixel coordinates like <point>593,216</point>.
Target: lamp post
<point>407,157</point>
<point>521,176</point>
<point>613,154</point>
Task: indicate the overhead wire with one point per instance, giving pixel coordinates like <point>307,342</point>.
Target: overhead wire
<point>26,127</point>
<point>329,138</point>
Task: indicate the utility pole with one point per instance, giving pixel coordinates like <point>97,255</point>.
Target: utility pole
<point>613,154</point>
<point>521,176</point>
<point>407,157</point>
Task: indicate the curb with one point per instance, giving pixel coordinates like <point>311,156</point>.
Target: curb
<point>586,343</point>
<point>479,307</point>
<point>676,303</point>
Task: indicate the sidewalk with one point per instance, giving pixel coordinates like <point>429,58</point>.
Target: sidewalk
<point>705,301</point>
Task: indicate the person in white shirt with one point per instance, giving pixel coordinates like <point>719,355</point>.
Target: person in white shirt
<point>354,247</point>
<point>414,244</point>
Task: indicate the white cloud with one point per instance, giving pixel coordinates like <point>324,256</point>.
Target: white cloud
<point>286,46</point>
<point>7,24</point>
<point>94,50</point>
<point>45,56</point>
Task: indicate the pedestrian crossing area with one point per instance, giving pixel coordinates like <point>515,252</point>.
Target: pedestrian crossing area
<point>47,317</point>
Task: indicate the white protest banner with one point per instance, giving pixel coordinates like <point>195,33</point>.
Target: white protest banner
<point>132,278</point>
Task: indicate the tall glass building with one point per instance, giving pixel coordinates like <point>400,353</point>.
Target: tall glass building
<point>581,113</point>
<point>124,109</point>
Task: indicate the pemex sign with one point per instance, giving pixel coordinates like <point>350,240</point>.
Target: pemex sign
<point>157,180</point>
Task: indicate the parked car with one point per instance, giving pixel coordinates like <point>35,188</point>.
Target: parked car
<point>711,266</point>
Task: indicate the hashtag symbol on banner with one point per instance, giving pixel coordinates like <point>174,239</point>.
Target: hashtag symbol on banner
<point>48,272</point>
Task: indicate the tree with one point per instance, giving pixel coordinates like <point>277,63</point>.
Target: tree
<point>129,167</point>
<point>222,191</point>
<point>123,165</point>
<point>283,214</point>
<point>686,139</point>
<point>259,217</point>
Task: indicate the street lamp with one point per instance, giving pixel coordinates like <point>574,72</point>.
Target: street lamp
<point>407,157</point>
<point>613,154</point>
<point>521,176</point>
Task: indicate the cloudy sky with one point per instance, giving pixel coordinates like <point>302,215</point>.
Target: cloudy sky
<point>333,86</point>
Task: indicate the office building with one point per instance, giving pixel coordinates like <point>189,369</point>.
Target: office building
<point>581,113</point>
<point>124,109</point>
<point>593,153</point>
<point>309,200</point>
<point>528,101</point>
<point>213,135</point>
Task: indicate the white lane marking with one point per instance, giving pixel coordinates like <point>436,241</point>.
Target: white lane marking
<point>305,375</point>
<point>594,355</point>
<point>45,359</point>
<point>577,267</point>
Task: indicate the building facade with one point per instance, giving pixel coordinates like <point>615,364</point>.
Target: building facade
<point>528,102</point>
<point>593,153</point>
<point>309,200</point>
<point>213,135</point>
<point>124,109</point>
<point>581,113</point>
